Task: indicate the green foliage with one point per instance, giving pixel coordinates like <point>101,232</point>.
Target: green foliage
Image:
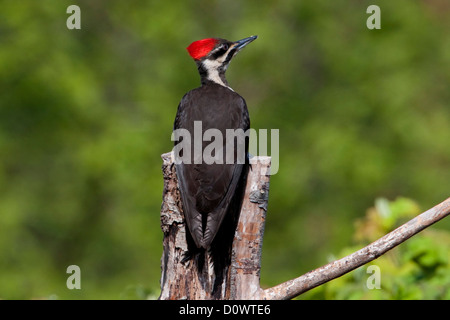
<point>85,115</point>
<point>417,269</point>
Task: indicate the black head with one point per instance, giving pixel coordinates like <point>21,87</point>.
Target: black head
<point>213,56</point>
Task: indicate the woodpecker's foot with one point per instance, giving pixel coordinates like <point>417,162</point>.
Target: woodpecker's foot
<point>187,257</point>
<point>190,254</point>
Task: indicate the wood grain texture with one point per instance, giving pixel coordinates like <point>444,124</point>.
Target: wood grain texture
<point>195,279</point>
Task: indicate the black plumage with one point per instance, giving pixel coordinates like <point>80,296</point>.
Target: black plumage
<point>210,191</point>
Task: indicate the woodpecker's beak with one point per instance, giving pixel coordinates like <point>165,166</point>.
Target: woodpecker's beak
<point>242,43</point>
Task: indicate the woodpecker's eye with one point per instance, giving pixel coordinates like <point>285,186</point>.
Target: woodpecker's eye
<point>225,46</point>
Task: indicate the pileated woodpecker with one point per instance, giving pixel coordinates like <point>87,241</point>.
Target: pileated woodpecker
<point>210,191</point>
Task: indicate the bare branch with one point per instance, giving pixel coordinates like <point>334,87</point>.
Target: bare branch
<point>183,281</point>
<point>292,288</point>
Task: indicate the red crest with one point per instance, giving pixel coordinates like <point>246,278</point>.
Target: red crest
<point>199,49</point>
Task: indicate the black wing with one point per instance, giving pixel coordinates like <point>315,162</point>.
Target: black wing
<point>207,189</point>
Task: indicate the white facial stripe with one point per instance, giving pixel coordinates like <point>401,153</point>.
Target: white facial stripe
<point>222,58</point>
<point>212,64</point>
<point>212,67</point>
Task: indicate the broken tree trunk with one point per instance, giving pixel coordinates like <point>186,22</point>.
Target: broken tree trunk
<point>241,281</point>
<point>196,278</point>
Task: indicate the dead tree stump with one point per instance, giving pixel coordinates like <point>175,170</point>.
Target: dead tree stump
<point>182,280</point>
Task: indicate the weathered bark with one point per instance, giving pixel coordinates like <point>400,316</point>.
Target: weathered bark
<point>292,288</point>
<point>196,278</point>
<point>248,239</point>
<point>241,281</point>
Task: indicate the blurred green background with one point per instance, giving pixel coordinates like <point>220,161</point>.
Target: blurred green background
<point>85,115</point>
